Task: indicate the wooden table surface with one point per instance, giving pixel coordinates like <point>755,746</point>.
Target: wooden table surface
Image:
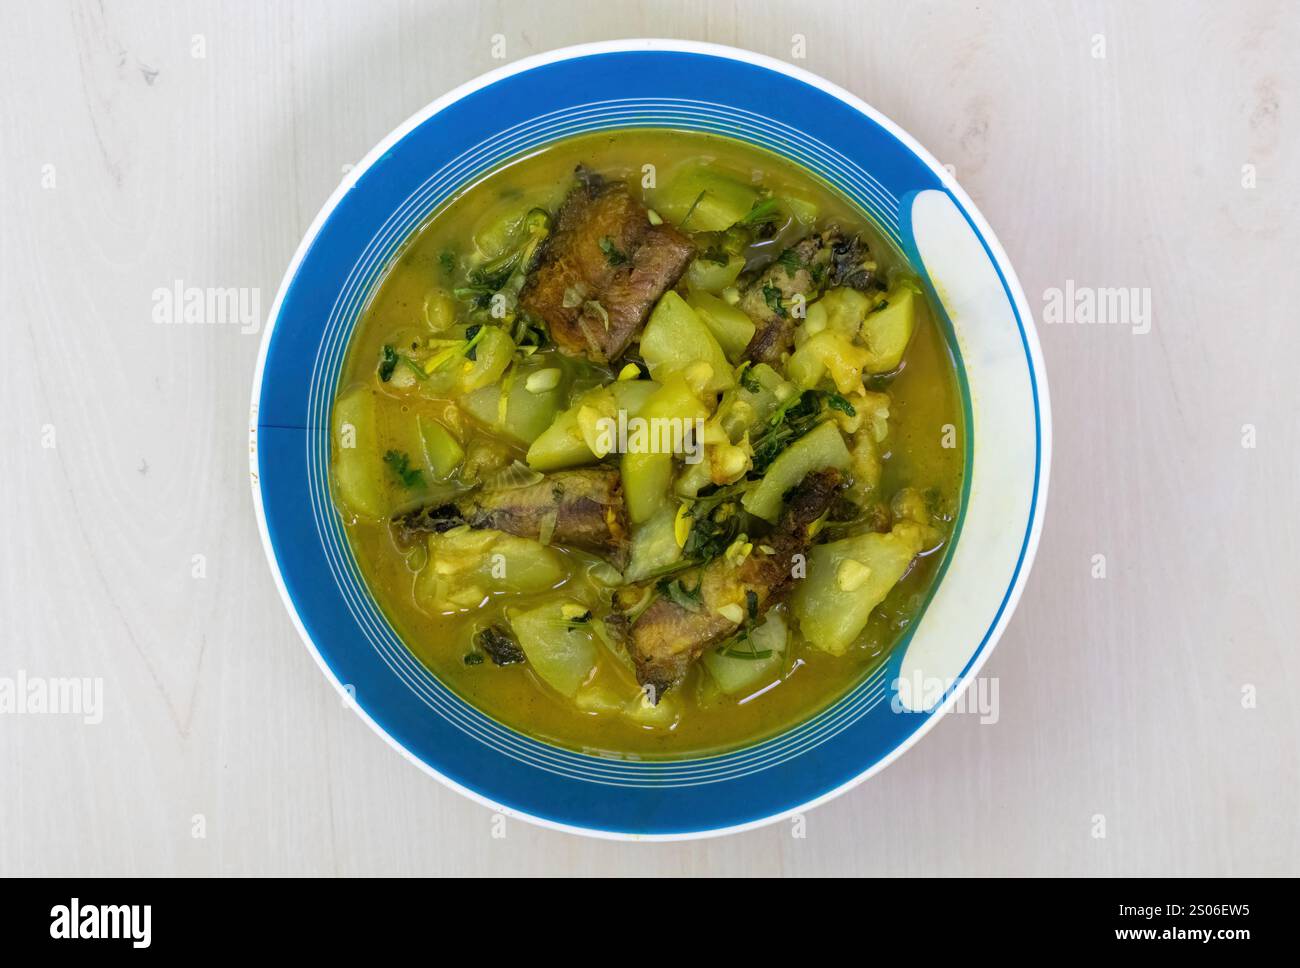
<point>1147,722</point>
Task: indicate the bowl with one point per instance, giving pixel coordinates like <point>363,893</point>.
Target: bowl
<point>667,84</point>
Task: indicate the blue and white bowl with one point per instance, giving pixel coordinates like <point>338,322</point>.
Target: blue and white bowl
<point>698,87</point>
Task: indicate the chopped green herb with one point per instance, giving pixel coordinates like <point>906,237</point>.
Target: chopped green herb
<point>749,381</point>
<point>389,359</point>
<point>612,253</point>
<point>691,211</point>
<point>474,658</point>
<point>447,261</point>
<point>715,523</point>
<point>732,647</point>
<point>507,271</point>
<point>789,261</point>
<point>794,419</point>
<point>400,463</point>
<point>772,296</point>
<point>387,363</point>
<point>472,333</point>
<point>765,211</point>
<point>679,594</point>
<point>577,620</point>
<point>837,402</point>
<point>529,332</point>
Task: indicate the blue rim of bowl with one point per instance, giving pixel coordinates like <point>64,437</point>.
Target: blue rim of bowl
<point>342,258</point>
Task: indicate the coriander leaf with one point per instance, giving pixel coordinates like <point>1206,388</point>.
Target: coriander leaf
<point>715,523</point>
<point>837,402</point>
<point>612,253</point>
<point>507,271</point>
<point>400,464</point>
<point>772,296</point>
<point>391,358</point>
<point>789,261</point>
<point>679,594</point>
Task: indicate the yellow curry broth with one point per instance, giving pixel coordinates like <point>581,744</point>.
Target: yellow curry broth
<point>924,401</point>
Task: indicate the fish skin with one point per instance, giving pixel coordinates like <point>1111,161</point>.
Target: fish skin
<point>588,505</point>
<point>646,261</point>
<point>667,638</point>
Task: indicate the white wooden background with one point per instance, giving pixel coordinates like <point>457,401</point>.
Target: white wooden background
<point>129,163</point>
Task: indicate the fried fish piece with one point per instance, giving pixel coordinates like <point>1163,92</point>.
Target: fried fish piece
<point>581,508</point>
<point>808,268</point>
<point>603,269</point>
<point>712,601</point>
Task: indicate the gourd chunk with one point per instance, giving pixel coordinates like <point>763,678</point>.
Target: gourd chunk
<point>820,448</point>
<point>559,643</point>
<point>847,579</point>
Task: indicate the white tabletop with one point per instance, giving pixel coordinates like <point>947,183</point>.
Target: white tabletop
<point>1157,698</point>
